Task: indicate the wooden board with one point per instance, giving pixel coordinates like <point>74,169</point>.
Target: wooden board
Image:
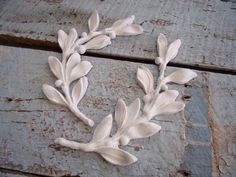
<point>221,114</point>
<point>191,143</point>
<point>206,28</point>
<point>12,173</point>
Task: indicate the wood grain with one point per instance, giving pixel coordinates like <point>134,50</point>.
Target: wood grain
<point>207,28</point>
<point>14,173</point>
<point>188,144</point>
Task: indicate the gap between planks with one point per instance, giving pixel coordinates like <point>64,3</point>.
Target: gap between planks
<point>20,42</point>
<point>28,174</point>
<point>21,173</point>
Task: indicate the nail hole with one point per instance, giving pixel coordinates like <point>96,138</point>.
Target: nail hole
<point>184,173</point>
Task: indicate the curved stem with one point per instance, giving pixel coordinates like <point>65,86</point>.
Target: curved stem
<point>73,108</point>
<point>91,35</point>
<point>160,79</point>
<point>66,89</point>
<point>82,117</point>
<point>113,141</point>
<point>73,144</point>
<point>64,62</point>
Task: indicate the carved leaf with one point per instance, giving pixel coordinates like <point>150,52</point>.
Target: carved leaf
<point>62,37</point>
<point>103,129</point>
<point>98,42</point>
<point>116,156</point>
<point>173,50</point>
<point>132,29</point>
<point>171,108</point>
<point>79,90</point>
<point>145,79</point>
<point>80,70</point>
<point>123,22</point>
<point>73,60</point>
<point>72,36</point>
<point>120,112</point>
<point>162,45</point>
<point>163,99</point>
<point>54,95</point>
<point>166,97</point>
<point>56,67</point>
<point>181,76</point>
<point>133,112</point>
<point>71,63</point>
<point>66,41</point>
<point>143,130</point>
<point>93,21</point>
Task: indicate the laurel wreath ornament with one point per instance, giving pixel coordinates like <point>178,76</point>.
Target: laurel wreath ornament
<point>73,69</point>
<point>132,121</point>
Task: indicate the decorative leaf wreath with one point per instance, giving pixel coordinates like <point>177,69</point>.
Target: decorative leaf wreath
<point>132,123</point>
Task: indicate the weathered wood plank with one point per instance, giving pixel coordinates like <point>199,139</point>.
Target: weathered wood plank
<point>29,122</point>
<point>11,173</point>
<point>221,113</point>
<point>207,28</point>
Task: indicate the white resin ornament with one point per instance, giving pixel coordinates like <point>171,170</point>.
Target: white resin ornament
<point>72,69</point>
<point>133,122</point>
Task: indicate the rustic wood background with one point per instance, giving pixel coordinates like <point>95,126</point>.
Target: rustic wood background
<point>198,142</point>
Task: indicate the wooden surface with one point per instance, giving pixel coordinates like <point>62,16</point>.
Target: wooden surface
<point>188,143</point>
<point>198,142</point>
<point>206,28</point>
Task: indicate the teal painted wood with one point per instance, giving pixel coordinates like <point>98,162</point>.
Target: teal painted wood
<point>189,143</point>
<point>207,28</point>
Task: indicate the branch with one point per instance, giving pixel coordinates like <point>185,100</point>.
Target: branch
<point>131,122</point>
<point>72,69</point>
